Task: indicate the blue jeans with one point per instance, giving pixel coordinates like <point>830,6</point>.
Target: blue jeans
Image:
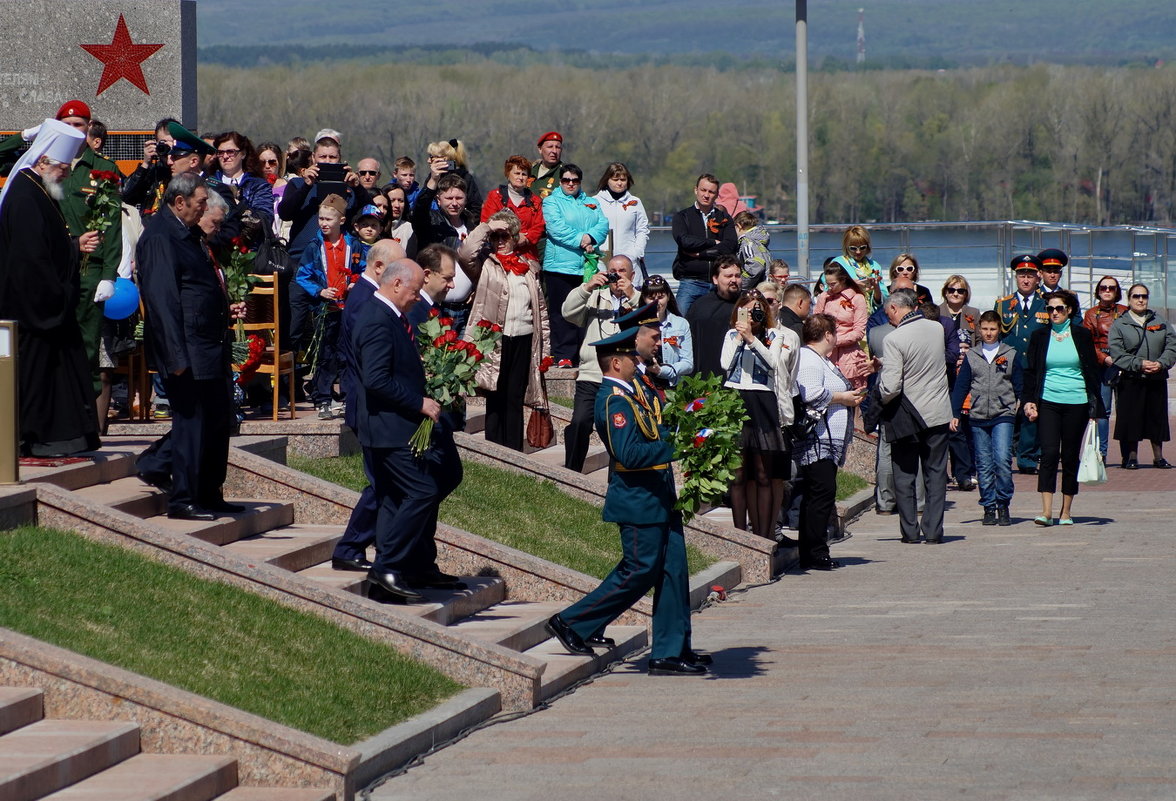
<point>1104,423</point>
<point>993,443</point>
<point>690,290</point>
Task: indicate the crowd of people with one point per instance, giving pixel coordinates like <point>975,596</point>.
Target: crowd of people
<point>958,396</point>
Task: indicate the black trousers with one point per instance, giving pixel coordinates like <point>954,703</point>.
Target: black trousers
<point>195,453</point>
<point>578,432</point>
<point>565,337</point>
<point>504,406</point>
<point>820,496</point>
<point>328,366</point>
<point>410,490</point>
<point>1060,428</point>
<point>361,527</point>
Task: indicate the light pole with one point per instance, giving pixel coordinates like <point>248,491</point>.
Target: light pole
<point>802,197</point>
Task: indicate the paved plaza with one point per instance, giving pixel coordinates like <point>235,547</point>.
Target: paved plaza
<point>1007,663</point>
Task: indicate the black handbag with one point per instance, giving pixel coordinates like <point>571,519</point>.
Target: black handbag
<point>273,256</point>
<point>804,420</point>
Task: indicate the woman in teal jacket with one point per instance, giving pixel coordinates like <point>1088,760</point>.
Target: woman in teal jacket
<point>575,226</point>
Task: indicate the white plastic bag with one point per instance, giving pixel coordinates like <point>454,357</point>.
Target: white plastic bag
<point>1090,464</point>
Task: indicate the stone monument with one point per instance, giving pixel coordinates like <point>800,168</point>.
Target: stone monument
<point>132,61</point>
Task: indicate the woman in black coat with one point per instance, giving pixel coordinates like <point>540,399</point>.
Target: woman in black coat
<point>1062,395</point>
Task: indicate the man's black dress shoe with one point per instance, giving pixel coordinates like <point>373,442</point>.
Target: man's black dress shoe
<point>1162,464</point>
<point>161,481</point>
<point>935,541</point>
<point>675,666</point>
<point>600,641</point>
<point>190,511</point>
<point>350,564</point>
<point>224,507</point>
<point>572,642</point>
<point>393,584</point>
<point>691,657</point>
<point>1130,464</point>
<point>905,541</point>
<point>819,564</point>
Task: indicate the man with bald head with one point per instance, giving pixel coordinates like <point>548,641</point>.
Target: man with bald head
<point>390,404</point>
<point>351,551</point>
<point>369,172</point>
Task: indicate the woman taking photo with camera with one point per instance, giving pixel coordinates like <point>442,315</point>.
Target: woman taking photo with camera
<point>1143,347</point>
<point>751,350</point>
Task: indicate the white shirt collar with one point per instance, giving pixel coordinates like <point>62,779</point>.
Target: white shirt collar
<point>624,384</point>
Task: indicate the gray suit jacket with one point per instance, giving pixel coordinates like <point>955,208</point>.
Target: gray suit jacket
<point>913,365</point>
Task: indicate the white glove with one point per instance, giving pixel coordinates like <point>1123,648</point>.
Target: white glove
<point>29,134</point>
<point>105,291</point>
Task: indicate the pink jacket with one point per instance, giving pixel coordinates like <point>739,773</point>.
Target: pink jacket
<point>848,308</point>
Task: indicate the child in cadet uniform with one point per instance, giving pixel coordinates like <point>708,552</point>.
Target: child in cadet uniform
<point>331,263</point>
<point>989,382</point>
<point>754,255</point>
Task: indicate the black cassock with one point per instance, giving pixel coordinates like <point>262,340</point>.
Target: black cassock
<point>39,286</point>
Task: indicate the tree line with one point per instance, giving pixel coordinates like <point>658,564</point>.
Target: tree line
<point>1093,145</point>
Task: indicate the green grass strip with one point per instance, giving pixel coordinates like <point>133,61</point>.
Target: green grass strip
<point>516,510</point>
<point>209,638</point>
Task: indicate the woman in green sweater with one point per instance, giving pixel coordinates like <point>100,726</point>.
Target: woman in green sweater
<point>1062,395</point>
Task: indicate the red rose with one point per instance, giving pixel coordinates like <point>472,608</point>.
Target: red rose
<point>438,342</point>
<point>496,328</point>
<point>546,364</point>
<point>484,323</point>
<point>449,336</point>
<point>434,312</point>
<point>446,321</point>
<point>477,354</point>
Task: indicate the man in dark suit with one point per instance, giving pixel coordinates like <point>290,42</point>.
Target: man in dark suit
<point>187,334</point>
<point>440,265</point>
<point>351,551</point>
<point>392,404</point>
<point>703,233</point>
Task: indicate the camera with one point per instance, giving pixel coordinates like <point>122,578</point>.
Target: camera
<point>161,151</point>
<point>757,314</point>
<point>611,278</point>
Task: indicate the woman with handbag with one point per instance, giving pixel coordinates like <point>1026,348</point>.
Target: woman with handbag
<point>829,399</point>
<point>1143,346</point>
<point>507,293</point>
<point>1098,320</point>
<point>1061,394</point>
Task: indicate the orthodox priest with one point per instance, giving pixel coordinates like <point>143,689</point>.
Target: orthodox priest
<point>39,288</point>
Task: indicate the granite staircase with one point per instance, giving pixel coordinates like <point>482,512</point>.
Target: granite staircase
<point>102,760</point>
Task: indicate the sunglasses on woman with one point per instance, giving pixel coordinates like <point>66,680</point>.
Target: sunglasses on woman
<point>956,290</point>
<point>904,268</point>
<point>1058,309</point>
<point>1107,288</point>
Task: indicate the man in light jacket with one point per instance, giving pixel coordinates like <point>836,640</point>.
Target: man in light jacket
<point>913,385</point>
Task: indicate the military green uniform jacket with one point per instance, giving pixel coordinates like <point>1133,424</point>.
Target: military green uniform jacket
<point>1017,321</point>
<point>640,478</point>
<point>544,182</point>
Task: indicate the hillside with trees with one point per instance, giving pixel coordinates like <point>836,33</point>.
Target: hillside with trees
<point>1081,144</point>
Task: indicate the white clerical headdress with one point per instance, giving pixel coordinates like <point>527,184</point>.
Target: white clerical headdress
<point>56,140</point>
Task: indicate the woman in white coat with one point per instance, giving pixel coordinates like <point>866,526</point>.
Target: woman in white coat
<point>627,220</point>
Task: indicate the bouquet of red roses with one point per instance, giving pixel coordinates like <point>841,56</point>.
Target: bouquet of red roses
<point>237,266</point>
<point>450,366</point>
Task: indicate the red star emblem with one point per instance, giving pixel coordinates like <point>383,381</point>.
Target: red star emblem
<point>122,58</point>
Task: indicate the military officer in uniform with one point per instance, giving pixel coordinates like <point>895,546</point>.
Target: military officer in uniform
<point>1022,313</point>
<point>640,500</point>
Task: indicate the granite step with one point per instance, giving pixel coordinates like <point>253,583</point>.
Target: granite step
<point>157,777</point>
<point>517,625</point>
<point>20,706</point>
<point>294,547</point>
<point>131,495</point>
<point>259,516</point>
<point>49,755</point>
<point>553,456</point>
<point>276,794</point>
<point>441,606</point>
<point>109,463</point>
<point>564,669</point>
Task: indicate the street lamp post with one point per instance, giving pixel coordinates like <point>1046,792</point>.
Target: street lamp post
<point>802,196</point>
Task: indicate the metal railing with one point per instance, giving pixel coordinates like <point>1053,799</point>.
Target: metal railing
<point>981,251</point>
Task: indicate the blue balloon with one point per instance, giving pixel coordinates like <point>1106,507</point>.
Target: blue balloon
<point>124,302</point>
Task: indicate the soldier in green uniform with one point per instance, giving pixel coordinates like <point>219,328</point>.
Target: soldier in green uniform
<point>545,171</point>
<point>1022,313</point>
<point>640,500</point>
